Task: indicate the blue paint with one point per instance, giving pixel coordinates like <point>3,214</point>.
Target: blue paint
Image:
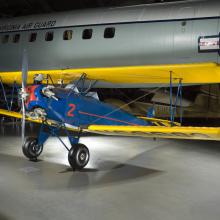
<point>42,136</point>
<point>78,110</point>
<point>151,112</point>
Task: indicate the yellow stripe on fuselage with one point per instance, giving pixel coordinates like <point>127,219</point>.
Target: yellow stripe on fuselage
<point>197,73</point>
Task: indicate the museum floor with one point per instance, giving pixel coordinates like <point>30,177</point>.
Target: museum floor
<point>126,179</point>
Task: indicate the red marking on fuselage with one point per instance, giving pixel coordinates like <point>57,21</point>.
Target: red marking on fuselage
<point>108,118</point>
<point>32,96</point>
<point>72,109</point>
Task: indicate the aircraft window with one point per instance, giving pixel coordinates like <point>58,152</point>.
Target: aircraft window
<point>67,35</point>
<point>16,38</point>
<point>49,36</point>
<point>5,39</point>
<point>109,32</point>
<point>33,37</point>
<point>87,34</point>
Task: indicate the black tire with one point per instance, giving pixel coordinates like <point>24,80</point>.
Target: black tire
<point>31,149</point>
<point>78,156</point>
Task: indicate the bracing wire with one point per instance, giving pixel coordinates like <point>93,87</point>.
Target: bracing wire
<point>129,103</point>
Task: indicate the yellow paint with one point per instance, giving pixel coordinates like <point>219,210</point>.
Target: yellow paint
<point>10,113</point>
<point>20,116</point>
<point>17,115</point>
<point>199,133</point>
<point>157,121</point>
<point>196,133</point>
<point>196,73</point>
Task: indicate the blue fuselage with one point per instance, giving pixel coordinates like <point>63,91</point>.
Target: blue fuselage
<point>79,110</point>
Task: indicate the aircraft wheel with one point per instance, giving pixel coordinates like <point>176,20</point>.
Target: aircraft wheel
<point>31,148</point>
<point>78,156</point>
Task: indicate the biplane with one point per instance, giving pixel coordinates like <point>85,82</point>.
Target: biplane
<point>75,110</point>
<point>72,54</point>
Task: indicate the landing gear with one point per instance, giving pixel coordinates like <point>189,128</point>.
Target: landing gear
<point>78,156</point>
<point>31,148</point>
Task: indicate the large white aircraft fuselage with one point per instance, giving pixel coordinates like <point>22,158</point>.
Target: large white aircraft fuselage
<point>156,34</point>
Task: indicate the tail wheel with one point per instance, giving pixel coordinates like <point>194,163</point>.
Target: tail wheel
<point>31,148</point>
<point>78,156</point>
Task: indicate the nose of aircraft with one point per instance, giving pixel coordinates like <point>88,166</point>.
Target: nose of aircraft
<point>30,94</point>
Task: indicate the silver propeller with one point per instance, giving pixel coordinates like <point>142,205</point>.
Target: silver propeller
<point>23,92</point>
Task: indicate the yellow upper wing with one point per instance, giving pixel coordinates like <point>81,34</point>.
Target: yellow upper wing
<point>197,73</point>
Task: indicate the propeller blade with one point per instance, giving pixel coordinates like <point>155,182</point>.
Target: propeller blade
<point>23,123</point>
<point>24,84</point>
<point>24,69</point>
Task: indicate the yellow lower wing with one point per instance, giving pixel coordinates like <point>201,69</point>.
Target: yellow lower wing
<point>10,113</point>
<point>49,122</point>
<point>197,133</point>
<point>196,73</point>
<point>176,132</point>
<point>19,116</point>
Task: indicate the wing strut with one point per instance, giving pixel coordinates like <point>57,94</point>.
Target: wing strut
<point>173,106</point>
<point>9,102</point>
<point>80,85</point>
<point>4,93</point>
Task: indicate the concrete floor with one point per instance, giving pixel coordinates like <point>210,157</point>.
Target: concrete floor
<point>126,179</point>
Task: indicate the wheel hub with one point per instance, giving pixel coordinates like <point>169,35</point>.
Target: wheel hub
<point>82,156</point>
<point>36,148</point>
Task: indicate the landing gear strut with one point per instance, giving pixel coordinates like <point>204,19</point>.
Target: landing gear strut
<point>78,156</point>
<point>31,148</point>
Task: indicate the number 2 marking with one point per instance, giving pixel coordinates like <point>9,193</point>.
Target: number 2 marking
<point>72,109</point>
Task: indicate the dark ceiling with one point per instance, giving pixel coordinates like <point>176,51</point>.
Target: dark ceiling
<point>11,8</point>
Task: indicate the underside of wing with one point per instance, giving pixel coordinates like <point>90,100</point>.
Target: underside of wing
<point>196,73</point>
<point>175,132</point>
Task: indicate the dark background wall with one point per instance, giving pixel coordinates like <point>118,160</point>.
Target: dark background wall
<point>11,8</point>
